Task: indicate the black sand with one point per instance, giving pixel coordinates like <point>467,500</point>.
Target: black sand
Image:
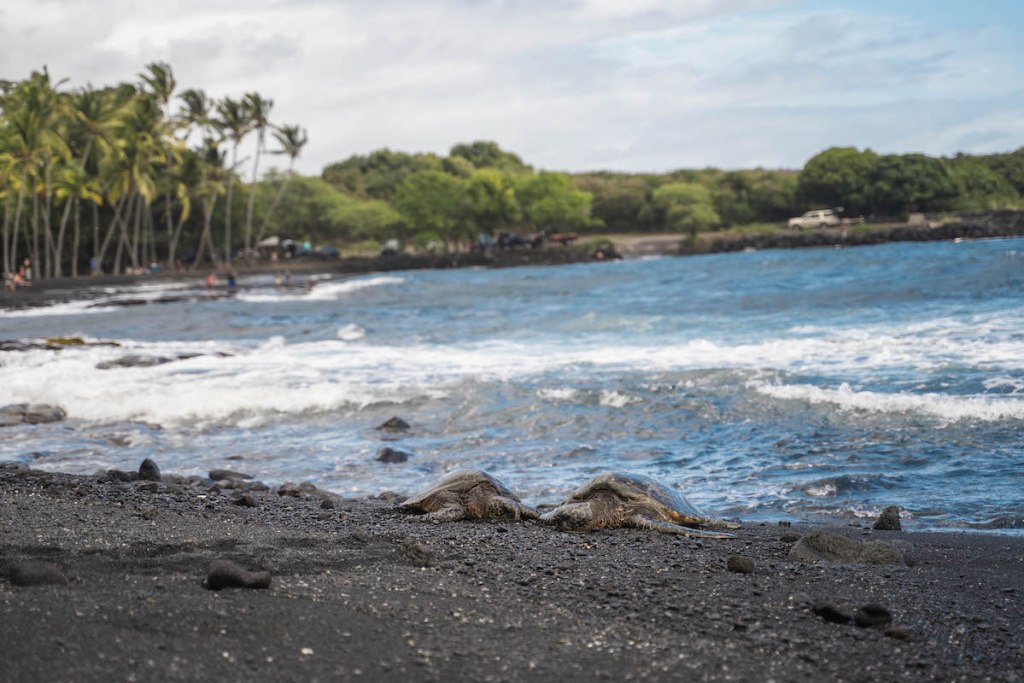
<point>361,591</point>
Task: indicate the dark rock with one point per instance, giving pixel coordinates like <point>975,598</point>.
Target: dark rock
<point>289,488</point>
<point>327,504</point>
<point>889,520</point>
<point>133,361</point>
<point>395,424</point>
<point>149,514</point>
<point>30,413</point>
<point>244,500</point>
<point>417,553</point>
<point>148,487</point>
<point>831,613</point>
<point>822,546</point>
<point>120,475</point>
<point>872,616</point>
<point>219,475</point>
<point>898,632</point>
<point>783,522</point>
<point>789,537</point>
<point>148,471</point>
<point>33,573</point>
<point>740,565</point>
<point>227,574</point>
<point>393,455</point>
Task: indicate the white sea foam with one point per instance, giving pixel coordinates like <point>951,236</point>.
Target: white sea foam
<point>616,399</point>
<point>350,332</point>
<point>945,407</point>
<point>322,290</point>
<point>558,394</point>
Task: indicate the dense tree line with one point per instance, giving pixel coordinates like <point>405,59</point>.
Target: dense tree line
<point>120,177</point>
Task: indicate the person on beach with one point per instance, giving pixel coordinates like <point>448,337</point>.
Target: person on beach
<point>25,272</point>
<point>211,281</point>
<point>232,280</point>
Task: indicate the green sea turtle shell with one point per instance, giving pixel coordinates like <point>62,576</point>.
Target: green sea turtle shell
<point>639,493</point>
<point>460,482</point>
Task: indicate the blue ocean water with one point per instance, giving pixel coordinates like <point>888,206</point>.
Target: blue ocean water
<point>807,384</point>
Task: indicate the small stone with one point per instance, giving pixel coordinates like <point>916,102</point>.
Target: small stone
<point>392,455</point>
<point>121,475</point>
<point>898,632</point>
<point>245,500</point>
<point>148,487</point>
<point>34,573</point>
<point>395,424</point>
<point>872,616</point>
<point>889,520</point>
<point>149,514</point>
<point>148,471</point>
<point>740,565</point>
<point>789,537</point>
<point>289,489</point>
<point>227,574</point>
<point>327,504</point>
<point>831,613</point>
<point>784,522</point>
<point>824,546</point>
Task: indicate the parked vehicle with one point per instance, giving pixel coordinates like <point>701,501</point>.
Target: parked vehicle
<point>817,218</point>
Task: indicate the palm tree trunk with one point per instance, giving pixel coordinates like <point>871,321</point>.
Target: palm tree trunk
<point>75,242</point>
<point>252,198</point>
<point>273,204</point>
<point>114,225</point>
<point>17,221</point>
<point>227,208</point>
<point>60,238</point>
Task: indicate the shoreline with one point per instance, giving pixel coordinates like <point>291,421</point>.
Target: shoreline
<point>360,590</point>
<point>1003,224</point>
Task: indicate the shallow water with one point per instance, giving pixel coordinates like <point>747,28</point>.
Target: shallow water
<point>766,385</point>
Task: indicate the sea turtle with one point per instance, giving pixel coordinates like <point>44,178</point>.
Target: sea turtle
<point>615,499</point>
<point>468,494</point>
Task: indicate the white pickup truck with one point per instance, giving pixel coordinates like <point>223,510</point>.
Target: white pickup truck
<point>818,218</point>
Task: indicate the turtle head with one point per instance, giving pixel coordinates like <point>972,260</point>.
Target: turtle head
<point>570,516</point>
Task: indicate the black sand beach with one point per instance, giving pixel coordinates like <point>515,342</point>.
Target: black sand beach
<point>362,591</point>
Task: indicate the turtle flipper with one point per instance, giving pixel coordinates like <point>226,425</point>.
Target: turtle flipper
<point>449,513</point>
<point>644,522</point>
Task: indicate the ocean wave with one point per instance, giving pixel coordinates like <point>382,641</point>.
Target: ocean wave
<point>946,407</point>
<point>321,290</point>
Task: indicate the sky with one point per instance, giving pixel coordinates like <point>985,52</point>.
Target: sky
<point>568,85</point>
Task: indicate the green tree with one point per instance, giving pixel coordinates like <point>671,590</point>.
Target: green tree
<point>550,202</point>
<point>487,154</point>
<point>291,139</point>
<point>687,207</point>
<point>491,201</point>
<point>259,119</point>
<point>433,201</point>
<point>236,122</point>
<point>911,182</point>
<point>839,176</point>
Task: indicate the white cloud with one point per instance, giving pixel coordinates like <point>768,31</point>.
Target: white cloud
<point>567,84</point>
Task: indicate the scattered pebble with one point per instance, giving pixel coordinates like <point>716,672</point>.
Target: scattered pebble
<point>828,547</point>
<point>898,632</point>
<point>395,424</point>
<point>392,455</point>
<point>889,520</point>
<point>872,616</point>
<point>34,573</point>
<point>740,564</point>
<point>148,471</point>
<point>789,537</point>
<point>227,574</point>
<point>245,500</point>
<point>831,613</point>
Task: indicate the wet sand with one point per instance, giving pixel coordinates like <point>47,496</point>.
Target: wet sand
<point>362,591</point>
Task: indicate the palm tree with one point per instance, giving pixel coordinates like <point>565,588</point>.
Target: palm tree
<point>292,139</point>
<point>160,82</point>
<point>259,112</point>
<point>236,122</point>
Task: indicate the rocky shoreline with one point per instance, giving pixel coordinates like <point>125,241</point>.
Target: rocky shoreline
<point>147,576</point>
